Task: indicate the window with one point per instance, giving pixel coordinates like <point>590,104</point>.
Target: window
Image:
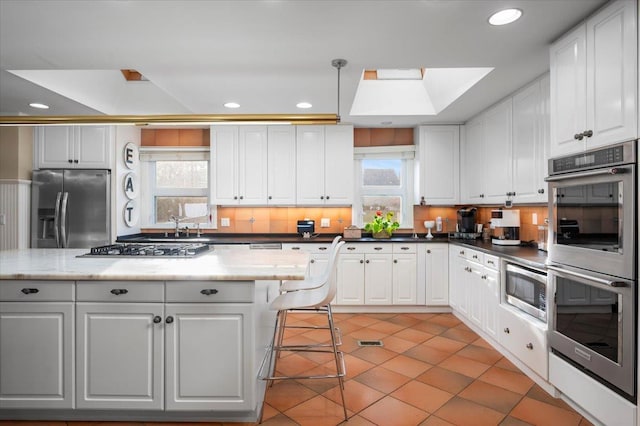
<point>175,186</point>
<point>384,182</point>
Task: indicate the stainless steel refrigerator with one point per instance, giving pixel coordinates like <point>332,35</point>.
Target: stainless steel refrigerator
<point>70,208</point>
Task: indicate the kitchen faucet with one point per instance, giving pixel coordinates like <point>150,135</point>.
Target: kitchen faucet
<point>176,220</point>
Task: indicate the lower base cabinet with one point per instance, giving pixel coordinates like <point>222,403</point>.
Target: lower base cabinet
<point>120,355</point>
<point>526,339</point>
<point>208,357</point>
<point>36,361</point>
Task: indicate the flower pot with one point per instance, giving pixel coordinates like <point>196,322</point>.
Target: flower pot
<point>381,234</point>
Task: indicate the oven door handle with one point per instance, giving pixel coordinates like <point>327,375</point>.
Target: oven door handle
<point>540,276</point>
<point>598,172</point>
<point>602,281</point>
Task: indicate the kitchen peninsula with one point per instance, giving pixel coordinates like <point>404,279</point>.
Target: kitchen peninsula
<point>173,339</point>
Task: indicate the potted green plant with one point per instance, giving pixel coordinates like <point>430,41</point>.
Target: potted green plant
<point>382,226</point>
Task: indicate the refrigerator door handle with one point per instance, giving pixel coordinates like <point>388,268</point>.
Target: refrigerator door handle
<point>63,220</point>
<point>56,220</point>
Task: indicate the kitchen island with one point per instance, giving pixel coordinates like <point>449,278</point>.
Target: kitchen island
<point>156,339</point>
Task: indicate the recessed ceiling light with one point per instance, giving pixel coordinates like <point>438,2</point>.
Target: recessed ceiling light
<point>505,16</point>
<point>232,105</point>
<point>38,105</point>
<point>304,105</point>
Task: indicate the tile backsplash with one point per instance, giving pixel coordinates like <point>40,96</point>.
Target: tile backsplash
<point>528,231</point>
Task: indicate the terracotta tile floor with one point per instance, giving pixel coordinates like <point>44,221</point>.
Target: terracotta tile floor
<point>432,370</point>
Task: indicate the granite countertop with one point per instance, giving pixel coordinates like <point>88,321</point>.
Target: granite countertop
<point>530,256</point>
<point>276,238</point>
<point>236,265</point>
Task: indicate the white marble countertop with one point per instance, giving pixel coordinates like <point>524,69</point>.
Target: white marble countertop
<point>237,265</point>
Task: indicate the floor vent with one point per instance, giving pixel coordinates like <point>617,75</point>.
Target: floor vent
<point>369,342</point>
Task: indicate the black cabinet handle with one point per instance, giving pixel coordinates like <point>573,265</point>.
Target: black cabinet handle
<point>322,248</point>
<point>428,251</point>
<point>367,261</point>
<point>70,160</point>
<point>270,197</point>
<point>75,161</point>
<point>157,319</point>
<point>351,248</point>
<point>169,320</point>
<point>362,261</point>
<point>312,261</point>
<point>578,136</point>
<point>119,291</point>
<point>404,248</point>
<point>209,291</point>
<point>377,248</point>
<point>29,290</point>
<point>395,260</point>
<point>588,133</point>
<point>530,346</point>
<point>295,248</point>
<point>327,197</point>
<point>322,197</point>
<point>541,191</point>
<point>242,197</point>
<point>235,197</point>
<point>481,195</point>
<point>506,330</point>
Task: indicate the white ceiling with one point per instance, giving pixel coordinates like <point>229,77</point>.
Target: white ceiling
<point>266,55</point>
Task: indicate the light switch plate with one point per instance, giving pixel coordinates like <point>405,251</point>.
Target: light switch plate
<point>225,221</point>
<point>325,222</point>
<point>534,218</point>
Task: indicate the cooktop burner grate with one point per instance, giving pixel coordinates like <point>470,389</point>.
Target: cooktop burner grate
<point>148,250</point>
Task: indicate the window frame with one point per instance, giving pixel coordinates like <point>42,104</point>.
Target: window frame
<point>148,158</point>
<point>406,153</point>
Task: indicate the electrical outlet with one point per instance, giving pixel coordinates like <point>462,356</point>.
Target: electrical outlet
<point>534,218</point>
<point>225,221</point>
<point>3,219</point>
<point>325,222</point>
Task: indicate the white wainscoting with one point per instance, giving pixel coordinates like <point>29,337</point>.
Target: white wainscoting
<point>15,204</point>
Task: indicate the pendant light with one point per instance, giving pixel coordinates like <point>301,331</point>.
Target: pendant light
<point>338,63</point>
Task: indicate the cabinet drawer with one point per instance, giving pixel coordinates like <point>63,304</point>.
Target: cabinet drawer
<point>526,339</point>
<point>492,262</point>
<point>120,291</point>
<point>474,256</point>
<point>36,291</point>
<point>404,248</point>
<point>368,248</point>
<point>210,291</point>
<point>308,247</point>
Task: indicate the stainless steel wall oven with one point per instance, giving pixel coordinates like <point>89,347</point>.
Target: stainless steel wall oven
<point>592,263</point>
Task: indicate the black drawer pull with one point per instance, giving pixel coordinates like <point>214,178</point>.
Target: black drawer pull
<point>169,320</point>
<point>395,260</point>
<point>157,319</point>
<point>506,330</point>
<point>322,248</point>
<point>428,251</point>
<point>119,291</point>
<point>29,290</point>
<point>312,261</point>
<point>295,248</point>
<point>351,248</point>
<point>530,346</point>
<point>404,248</point>
<point>377,248</point>
<point>209,291</point>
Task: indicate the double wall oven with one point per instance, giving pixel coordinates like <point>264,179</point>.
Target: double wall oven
<point>592,262</point>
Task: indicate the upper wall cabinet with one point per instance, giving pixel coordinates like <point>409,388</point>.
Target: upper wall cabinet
<point>74,147</point>
<point>281,170</point>
<point>239,165</point>
<point>530,144</point>
<point>504,149</point>
<point>594,81</point>
<point>324,165</point>
<point>439,166</point>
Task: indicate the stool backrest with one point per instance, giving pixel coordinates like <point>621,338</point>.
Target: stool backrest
<point>331,285</point>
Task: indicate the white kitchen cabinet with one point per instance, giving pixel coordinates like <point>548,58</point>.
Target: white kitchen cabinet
<point>120,345</point>
<point>439,165</point>
<point>472,169</point>
<point>324,165</point>
<point>525,338</point>
<point>530,145</point>
<point>377,274</point>
<point>437,274</point>
<point>455,286</point>
<point>239,165</point>
<point>497,160</point>
<point>74,147</point>
<point>318,256</point>
<point>491,297</point>
<point>209,356</point>
<point>36,354</point>
<point>281,160</point>
<point>120,356</point>
<point>594,81</point>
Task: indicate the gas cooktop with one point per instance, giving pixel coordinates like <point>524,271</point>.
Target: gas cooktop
<point>148,250</point>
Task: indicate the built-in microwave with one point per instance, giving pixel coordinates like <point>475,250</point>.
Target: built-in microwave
<point>525,288</point>
<point>592,210</point>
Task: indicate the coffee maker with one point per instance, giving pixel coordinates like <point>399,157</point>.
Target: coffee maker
<point>467,220</point>
<point>506,226</point>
